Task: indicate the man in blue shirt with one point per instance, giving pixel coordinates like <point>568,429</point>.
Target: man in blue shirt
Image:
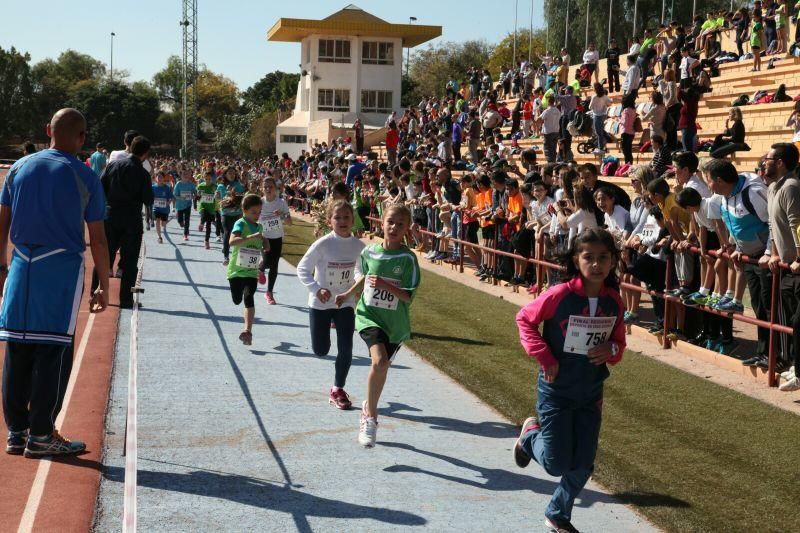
<point>98,160</point>
<point>353,170</point>
<point>46,198</point>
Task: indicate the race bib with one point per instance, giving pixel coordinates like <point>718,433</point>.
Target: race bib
<point>545,219</point>
<point>586,332</point>
<point>186,195</point>
<point>273,227</point>
<point>160,203</point>
<point>649,231</point>
<point>207,198</point>
<point>381,298</point>
<point>339,275</point>
<point>249,258</point>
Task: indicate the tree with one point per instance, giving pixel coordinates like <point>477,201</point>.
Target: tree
<point>16,93</point>
<point>503,52</point>
<point>169,82</point>
<point>433,66</point>
<point>217,96</point>
<point>169,128</point>
<point>268,92</point>
<point>262,134</point>
<point>233,135</point>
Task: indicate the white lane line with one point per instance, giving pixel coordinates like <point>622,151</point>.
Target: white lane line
<point>37,489</point>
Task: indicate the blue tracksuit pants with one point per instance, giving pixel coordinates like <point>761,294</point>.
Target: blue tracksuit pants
<point>565,446</point>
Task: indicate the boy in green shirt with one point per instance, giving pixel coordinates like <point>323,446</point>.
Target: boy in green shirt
<point>246,247</point>
<point>388,274</point>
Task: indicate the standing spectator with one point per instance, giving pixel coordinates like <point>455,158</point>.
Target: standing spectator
<point>656,115</point>
<point>392,140</point>
<point>756,40</point>
<point>98,160</point>
<point>688,66</point>
<point>359,135</point>
<point>127,187</point>
<point>612,62</point>
<point>567,103</point>
<point>687,120</point>
<point>669,89</point>
<point>633,77</point>
<point>46,199</point>
<point>551,126</point>
<point>628,121</point>
<point>599,105</point>
<point>590,58</point>
<point>741,22</point>
<point>783,205</point>
<point>475,129</point>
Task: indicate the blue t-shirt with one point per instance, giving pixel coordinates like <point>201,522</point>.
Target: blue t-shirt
<point>184,192</point>
<point>162,194</point>
<point>352,172</point>
<point>223,192</point>
<point>98,162</point>
<point>51,194</point>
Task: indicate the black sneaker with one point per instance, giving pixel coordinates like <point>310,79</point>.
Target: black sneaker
<point>762,362</point>
<point>700,340</point>
<point>15,443</point>
<point>520,456</point>
<point>53,445</point>
<point>752,361</point>
<point>559,526</point>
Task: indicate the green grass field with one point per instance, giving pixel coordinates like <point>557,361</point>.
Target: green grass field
<point>688,454</point>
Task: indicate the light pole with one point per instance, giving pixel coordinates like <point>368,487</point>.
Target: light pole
<point>530,35</point>
<point>514,53</point>
<point>411,20</point>
<point>112,56</point>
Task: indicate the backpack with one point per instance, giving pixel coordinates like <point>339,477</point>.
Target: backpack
<point>637,124</point>
<point>610,168</point>
<point>623,170</point>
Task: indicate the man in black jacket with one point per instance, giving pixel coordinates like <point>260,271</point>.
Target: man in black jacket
<point>128,187</point>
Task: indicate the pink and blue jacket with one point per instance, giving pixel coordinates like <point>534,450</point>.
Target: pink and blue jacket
<point>552,310</point>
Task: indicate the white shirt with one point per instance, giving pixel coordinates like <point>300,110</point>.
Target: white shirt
<point>117,155</point>
<point>599,105</point>
<point>710,210</point>
<point>271,223</point>
<point>330,263</point>
<point>591,56</point>
<point>686,64</point>
<point>619,221</point>
<point>696,183</point>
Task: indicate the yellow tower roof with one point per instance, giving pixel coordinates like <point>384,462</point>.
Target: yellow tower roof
<point>352,20</point>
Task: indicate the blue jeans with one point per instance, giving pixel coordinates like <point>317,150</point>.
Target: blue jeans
<point>455,231</point>
<point>688,136</point>
<point>344,319</point>
<point>599,122</point>
<point>565,446</point>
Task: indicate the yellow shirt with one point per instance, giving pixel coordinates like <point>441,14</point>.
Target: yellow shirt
<point>683,216</point>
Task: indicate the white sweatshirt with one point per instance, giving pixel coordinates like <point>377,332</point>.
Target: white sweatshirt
<point>330,263</point>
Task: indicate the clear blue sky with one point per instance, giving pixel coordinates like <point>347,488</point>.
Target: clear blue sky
<point>232,33</point>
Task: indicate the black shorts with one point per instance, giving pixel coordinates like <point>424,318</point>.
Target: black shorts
<point>206,217</point>
<point>243,289</point>
<point>160,216</point>
<point>471,232</point>
<point>712,241</point>
<point>374,336</point>
<point>523,242</point>
<point>487,232</point>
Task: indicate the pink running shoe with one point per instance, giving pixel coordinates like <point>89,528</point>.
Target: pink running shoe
<point>269,298</point>
<point>520,456</point>
<point>340,399</point>
<point>185,238</point>
<point>262,279</point>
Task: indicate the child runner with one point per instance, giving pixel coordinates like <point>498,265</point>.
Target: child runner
<point>185,191</point>
<point>582,332</point>
<point>162,196</point>
<point>389,274</point>
<point>274,213</point>
<point>207,192</point>
<point>327,269</point>
<point>246,246</point>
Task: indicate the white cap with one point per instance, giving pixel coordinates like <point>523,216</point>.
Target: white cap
<point>351,157</point>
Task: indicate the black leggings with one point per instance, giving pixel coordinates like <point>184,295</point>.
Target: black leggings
<point>184,216</point>
<point>269,260</point>
<point>344,319</point>
<point>627,147</point>
<point>243,289</point>
<point>206,219</point>
<point>228,221</point>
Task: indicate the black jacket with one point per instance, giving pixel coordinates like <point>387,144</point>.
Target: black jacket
<point>128,187</point>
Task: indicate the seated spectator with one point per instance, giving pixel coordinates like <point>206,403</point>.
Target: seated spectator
<point>590,58</point>
<point>661,155</point>
<point>589,180</point>
<point>732,140</point>
<point>794,122</point>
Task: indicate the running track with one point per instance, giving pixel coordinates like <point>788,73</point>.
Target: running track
<point>235,438</point>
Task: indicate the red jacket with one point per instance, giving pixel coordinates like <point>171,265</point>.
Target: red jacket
<point>392,138</point>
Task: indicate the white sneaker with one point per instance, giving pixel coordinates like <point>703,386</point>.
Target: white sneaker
<point>368,432</point>
<point>790,386</point>
<point>788,374</point>
<point>597,151</point>
<point>219,239</point>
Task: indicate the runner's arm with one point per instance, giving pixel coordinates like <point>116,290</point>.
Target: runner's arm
<point>99,248</point>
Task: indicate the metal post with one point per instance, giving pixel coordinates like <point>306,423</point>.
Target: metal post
<point>672,11</point>
<point>408,48</point>
<point>610,8</point>
<point>112,56</point>
<point>663,10</point>
<point>665,333</point>
<point>461,236</point>
<point>566,27</point>
<point>586,44</point>
<point>694,9</point>
<point>530,36</point>
<point>635,12</point>
<point>775,302</point>
<point>514,55</point>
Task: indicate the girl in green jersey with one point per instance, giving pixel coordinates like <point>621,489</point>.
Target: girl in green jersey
<point>388,274</point>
